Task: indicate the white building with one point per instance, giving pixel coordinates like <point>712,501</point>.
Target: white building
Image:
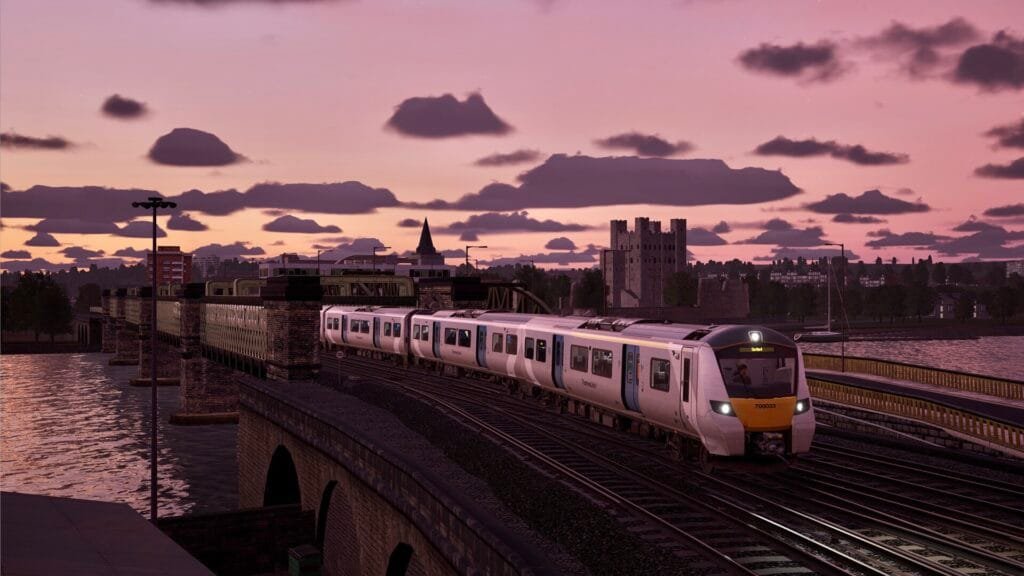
<point>1015,267</point>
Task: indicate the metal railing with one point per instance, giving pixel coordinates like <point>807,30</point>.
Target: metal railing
<point>993,431</point>
<point>235,328</point>
<point>168,317</point>
<point>990,385</point>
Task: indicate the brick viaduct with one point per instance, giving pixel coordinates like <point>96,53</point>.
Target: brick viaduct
<point>255,360</point>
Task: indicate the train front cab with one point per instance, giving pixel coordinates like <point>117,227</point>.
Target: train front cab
<point>762,407</point>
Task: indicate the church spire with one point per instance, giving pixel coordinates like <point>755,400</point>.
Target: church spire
<point>426,247</point>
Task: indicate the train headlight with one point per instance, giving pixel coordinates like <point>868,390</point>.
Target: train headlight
<point>755,336</point>
<point>723,408</point>
<point>802,406</point>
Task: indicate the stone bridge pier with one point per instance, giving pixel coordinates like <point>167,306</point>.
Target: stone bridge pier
<point>107,345</point>
<point>126,335</point>
<point>167,357</point>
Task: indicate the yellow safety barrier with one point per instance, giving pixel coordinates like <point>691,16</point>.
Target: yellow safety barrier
<point>968,423</point>
<point>990,385</point>
<point>168,317</point>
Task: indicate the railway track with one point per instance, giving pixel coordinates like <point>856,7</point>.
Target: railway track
<point>835,524</point>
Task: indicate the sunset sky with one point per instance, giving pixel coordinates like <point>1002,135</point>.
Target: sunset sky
<point>329,92</point>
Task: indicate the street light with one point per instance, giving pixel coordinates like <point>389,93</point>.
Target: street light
<point>373,258</point>
<point>467,256</point>
<point>842,339</point>
<point>153,204</point>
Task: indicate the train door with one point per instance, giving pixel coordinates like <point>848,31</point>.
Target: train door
<point>376,332</point>
<point>436,342</point>
<point>557,356</point>
<point>630,379</point>
<point>481,346</point>
<point>344,329</point>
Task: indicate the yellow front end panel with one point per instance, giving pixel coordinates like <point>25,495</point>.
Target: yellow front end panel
<point>764,414</point>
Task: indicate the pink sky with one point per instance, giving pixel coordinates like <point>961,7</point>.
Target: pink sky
<point>304,91</point>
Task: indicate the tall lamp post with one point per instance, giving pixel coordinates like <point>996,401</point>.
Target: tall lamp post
<point>467,255</point>
<point>842,339</point>
<point>374,256</point>
<point>154,203</point>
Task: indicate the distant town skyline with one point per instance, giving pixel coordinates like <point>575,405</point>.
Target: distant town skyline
<point>523,125</point>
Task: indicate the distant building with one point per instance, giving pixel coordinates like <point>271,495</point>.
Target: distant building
<point>869,282</point>
<point>1015,267</point>
<point>639,263</point>
<point>812,277</point>
<point>208,265</point>
<point>172,265</point>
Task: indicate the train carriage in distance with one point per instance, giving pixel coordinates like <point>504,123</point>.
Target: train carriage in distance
<point>738,390</point>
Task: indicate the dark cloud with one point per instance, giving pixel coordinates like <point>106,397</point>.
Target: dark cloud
<point>217,3</point>
<point>78,253</point>
<point>870,202</point>
<point>409,223</point>
<point>1009,135</point>
<point>858,154</point>
<point>444,116</point>
<point>508,222</point>
<point>703,237</point>
<point>972,224</point>
<point>644,144</point>
<point>846,218</point>
<point>118,106</point>
<point>1008,211</point>
<point>191,147</point>
<point>74,202</point>
<point>16,254</point>
<point>469,236</point>
<point>360,246</point>
<point>4,187</point>
<point>13,140</point>
<point>518,157</point>
<point>996,65</point>
<point>987,242</point>
<point>583,181</point>
<point>42,239</point>
<point>32,265</point>
<point>808,62</point>
<point>560,243</point>
<point>140,229</point>
<point>776,224</point>
<point>792,237</point>
<point>131,253</point>
<point>185,222</point>
<point>921,51</point>
<point>1014,170</point>
<point>905,192</point>
<point>73,226</point>
<point>793,253</point>
<point>558,258</point>
<point>294,225</point>
<point>234,250</point>
<point>885,238</point>
<point>721,228</point>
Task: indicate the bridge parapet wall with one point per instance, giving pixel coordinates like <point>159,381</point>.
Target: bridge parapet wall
<point>126,335</point>
<point>108,344</point>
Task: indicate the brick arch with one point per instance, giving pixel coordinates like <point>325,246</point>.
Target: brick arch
<point>400,559</point>
<point>282,484</point>
<point>340,539</point>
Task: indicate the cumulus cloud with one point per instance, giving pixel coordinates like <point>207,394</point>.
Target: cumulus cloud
<point>818,62</point>
<point>120,107</point>
<point>409,223</point>
<point>79,253</point>
<point>775,224</point>
<point>32,265</point>
<point>14,140</point>
<point>16,254</point>
<point>235,250</point>
<point>858,154</point>
<point>558,258</point>
<point>131,253</point>
<point>140,229</point>
<point>644,144</point>
<point>185,222</point>
<point>291,224</point>
<point>846,218</point>
<point>1014,170</point>
<point>360,246</point>
<point>793,253</point>
<point>792,237</point>
<point>73,226</point>
<point>560,243</point>
<point>582,181</point>
<point>995,65</point>
<point>885,238</point>
<point>921,51</point>
<point>988,241</point>
<point>721,228</point>
<point>508,222</point>
<point>870,202</point>
<point>1008,211</point>
<point>445,116</point>
<point>191,147</point>
<point>469,236</point>
<point>42,239</point>
<point>1009,135</point>
<point>522,156</point>
<point>703,237</point>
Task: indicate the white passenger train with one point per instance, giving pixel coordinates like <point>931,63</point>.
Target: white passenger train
<point>738,390</point>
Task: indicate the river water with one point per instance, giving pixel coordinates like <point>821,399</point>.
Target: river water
<point>1001,356</point>
<point>72,426</point>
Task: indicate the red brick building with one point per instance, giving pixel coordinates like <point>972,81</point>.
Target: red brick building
<point>172,265</point>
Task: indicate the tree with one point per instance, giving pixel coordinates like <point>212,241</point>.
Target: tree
<point>88,295</point>
<point>1004,303</point>
<point>53,313</point>
<point>939,274</point>
<point>995,275</point>
<point>964,310</point>
<point>853,301</point>
<point>802,300</point>
<point>39,304</point>
<point>681,289</point>
<point>894,301</point>
<point>589,291</point>
<point>921,300</point>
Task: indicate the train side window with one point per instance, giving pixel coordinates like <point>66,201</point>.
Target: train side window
<point>602,363</point>
<point>449,336</point>
<point>660,374</point>
<point>387,328</point>
<point>425,334</point>
<point>397,332</point>
<point>498,342</point>
<point>686,379</point>
<point>512,344</point>
<point>353,325</point>
<point>528,348</point>
<point>542,350</point>
<point>578,358</point>
<point>337,324</point>
<point>464,338</point>
<point>365,327</point>
<point>415,331</point>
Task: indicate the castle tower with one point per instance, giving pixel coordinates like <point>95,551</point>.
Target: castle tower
<point>639,263</point>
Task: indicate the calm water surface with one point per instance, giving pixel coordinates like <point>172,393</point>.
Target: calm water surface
<point>1001,356</point>
<point>72,426</point>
